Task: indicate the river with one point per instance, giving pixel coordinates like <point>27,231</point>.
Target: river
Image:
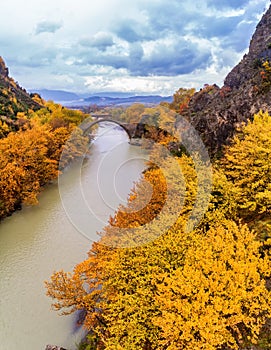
<point>56,234</point>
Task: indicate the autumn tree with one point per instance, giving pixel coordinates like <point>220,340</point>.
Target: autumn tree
<point>29,158</point>
<point>181,99</point>
<point>132,114</point>
<point>173,288</point>
<point>181,291</point>
<point>24,168</point>
<point>152,284</point>
<point>247,166</point>
<point>218,295</point>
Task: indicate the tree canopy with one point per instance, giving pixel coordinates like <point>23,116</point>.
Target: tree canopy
<point>29,157</point>
<point>202,289</point>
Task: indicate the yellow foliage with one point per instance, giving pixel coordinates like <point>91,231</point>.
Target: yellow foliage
<point>132,114</point>
<point>248,168</point>
<point>198,290</point>
<point>267,67</point>
<point>4,129</point>
<point>218,296</point>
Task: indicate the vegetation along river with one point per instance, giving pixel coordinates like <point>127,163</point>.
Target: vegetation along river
<point>56,234</point>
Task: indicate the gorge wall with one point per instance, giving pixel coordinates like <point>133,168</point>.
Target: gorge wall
<point>216,112</point>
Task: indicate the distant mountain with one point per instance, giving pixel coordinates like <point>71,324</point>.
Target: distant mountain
<point>70,99</point>
<point>13,98</point>
<point>113,101</point>
<point>57,95</point>
<point>112,94</point>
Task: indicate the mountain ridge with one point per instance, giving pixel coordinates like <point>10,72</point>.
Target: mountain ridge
<point>100,99</point>
<point>217,113</point>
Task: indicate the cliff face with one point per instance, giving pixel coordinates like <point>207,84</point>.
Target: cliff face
<point>13,98</point>
<point>259,49</point>
<point>217,112</point>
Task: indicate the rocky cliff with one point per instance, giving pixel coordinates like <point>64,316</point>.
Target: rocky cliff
<point>217,112</point>
<point>13,98</point>
<point>259,50</point>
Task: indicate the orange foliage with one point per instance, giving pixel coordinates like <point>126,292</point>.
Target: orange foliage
<point>181,99</point>
<point>29,158</point>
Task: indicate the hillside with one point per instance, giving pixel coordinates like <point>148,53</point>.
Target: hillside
<point>217,112</point>
<point>13,98</point>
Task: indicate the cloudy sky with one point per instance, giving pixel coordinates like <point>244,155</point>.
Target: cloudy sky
<point>152,46</point>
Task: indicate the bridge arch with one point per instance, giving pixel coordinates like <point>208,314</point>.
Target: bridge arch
<point>86,128</point>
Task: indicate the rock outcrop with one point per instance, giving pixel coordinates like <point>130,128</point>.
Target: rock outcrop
<point>3,69</point>
<point>217,112</point>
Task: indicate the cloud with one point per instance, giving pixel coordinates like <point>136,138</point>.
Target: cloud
<point>210,27</point>
<point>136,54</point>
<point>101,41</point>
<point>157,21</point>
<point>47,27</point>
<point>183,43</point>
<point>164,57</point>
<point>127,32</point>
<point>172,57</point>
<point>164,18</point>
<point>227,3</point>
<point>132,30</point>
<point>239,38</point>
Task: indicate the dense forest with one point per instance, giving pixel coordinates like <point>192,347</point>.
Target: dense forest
<point>199,289</point>
<point>30,148</point>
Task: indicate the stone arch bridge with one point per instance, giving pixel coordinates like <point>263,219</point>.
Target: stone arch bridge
<point>129,128</point>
